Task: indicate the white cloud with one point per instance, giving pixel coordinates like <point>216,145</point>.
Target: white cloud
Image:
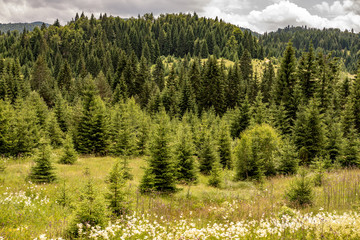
<point>282,13</point>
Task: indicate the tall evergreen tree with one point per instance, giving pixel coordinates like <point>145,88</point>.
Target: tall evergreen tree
<point>160,175</point>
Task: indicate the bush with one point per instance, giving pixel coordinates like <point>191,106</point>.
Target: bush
<point>256,152</point>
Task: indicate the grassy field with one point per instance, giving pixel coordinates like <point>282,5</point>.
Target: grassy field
<point>236,210</point>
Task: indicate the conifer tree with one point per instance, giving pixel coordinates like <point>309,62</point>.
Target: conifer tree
<point>159,175</point>
<point>43,171</point>
<point>64,77</point>
<point>285,82</point>
<point>224,143</point>
<point>92,129</point>
<point>53,130</point>
<point>4,126</point>
<point>116,196</point>
<point>216,175</point>
<point>350,154</point>
<point>307,74</point>
<point>185,164</point>
<point>288,159</point>
<point>69,155</point>
<point>267,81</point>
<point>258,110</point>
<point>90,210</point>
<point>158,74</point>
<point>208,153</point>
<point>241,119</point>
<point>309,130</point>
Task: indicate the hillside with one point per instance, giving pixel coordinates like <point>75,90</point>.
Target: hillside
<point>177,127</point>
<point>5,27</point>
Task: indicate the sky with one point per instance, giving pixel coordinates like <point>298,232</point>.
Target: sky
<point>258,15</point>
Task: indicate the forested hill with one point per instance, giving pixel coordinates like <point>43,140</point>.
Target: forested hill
<point>5,27</point>
<point>342,44</point>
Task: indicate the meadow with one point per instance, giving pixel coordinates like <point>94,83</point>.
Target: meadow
<point>237,210</point>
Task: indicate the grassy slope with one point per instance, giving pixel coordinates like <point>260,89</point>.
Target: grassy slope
<point>234,202</point>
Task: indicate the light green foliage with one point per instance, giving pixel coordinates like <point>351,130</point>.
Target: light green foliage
<point>224,145</point>
<point>255,152</point>
<point>69,156</point>
<point>90,210</point>
<point>117,195</point>
<point>216,175</point>
<point>288,158</point>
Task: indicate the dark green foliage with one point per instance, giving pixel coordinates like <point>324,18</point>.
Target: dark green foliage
<point>224,143</point>
<point>241,119</point>
<point>300,193</point>
<point>53,130</point>
<point>116,197</point>
<point>309,131</point>
<point>4,127</point>
<point>208,154</point>
<point>69,155</point>
<point>43,171</point>
<point>92,130</point>
<point>350,155</point>
<point>259,113</point>
<point>160,175</point>
<point>158,74</point>
<point>288,159</point>
<point>285,82</point>
<point>64,77</point>
<point>185,164</point>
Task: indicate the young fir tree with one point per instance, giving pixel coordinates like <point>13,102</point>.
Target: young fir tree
<point>185,164</point>
<point>160,175</point>
<point>208,153</point>
<point>92,129</point>
<point>241,119</point>
<point>350,154</point>
<point>69,155</point>
<point>116,196</point>
<point>308,131</point>
<point>216,175</point>
<point>43,171</point>
<point>224,143</point>
<point>288,159</point>
<point>89,212</point>
<point>300,193</point>
<point>53,130</point>
<point>258,110</point>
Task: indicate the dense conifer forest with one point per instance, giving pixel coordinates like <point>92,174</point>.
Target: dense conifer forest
<point>201,101</point>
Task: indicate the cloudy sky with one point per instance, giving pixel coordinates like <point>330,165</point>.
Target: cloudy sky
<point>258,15</point>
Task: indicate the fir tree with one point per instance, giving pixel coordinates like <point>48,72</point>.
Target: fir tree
<point>43,171</point>
<point>285,82</point>
<point>224,143</point>
<point>241,119</point>
<point>208,154</point>
<point>69,155</point>
<point>90,210</point>
<point>185,164</point>
<point>215,179</point>
<point>160,175</point>
<point>116,196</point>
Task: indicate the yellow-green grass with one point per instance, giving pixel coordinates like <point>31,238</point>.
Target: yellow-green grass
<point>201,203</point>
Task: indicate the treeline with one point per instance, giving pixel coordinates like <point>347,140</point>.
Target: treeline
<point>341,44</point>
<point>189,114</point>
<point>8,27</point>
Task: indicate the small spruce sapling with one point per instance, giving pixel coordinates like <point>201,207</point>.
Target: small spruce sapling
<point>43,171</point>
<point>70,156</point>
<point>301,191</point>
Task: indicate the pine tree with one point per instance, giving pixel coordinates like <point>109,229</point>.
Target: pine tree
<point>301,191</point>
<point>158,74</point>
<point>350,154</point>
<point>160,175</point>
<point>208,153</point>
<point>285,82</point>
<point>258,110</point>
<point>308,131</point>
<point>288,159</point>
<point>185,164</point>
<point>267,81</point>
<point>117,196</point>
<point>215,179</point>
<point>241,119</point>
<point>43,171</point>
<point>89,212</point>
<point>92,129</point>
<point>4,127</point>
<point>69,155</point>
<point>224,143</point>
<point>307,74</point>
<point>53,130</point>
<point>64,77</point>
